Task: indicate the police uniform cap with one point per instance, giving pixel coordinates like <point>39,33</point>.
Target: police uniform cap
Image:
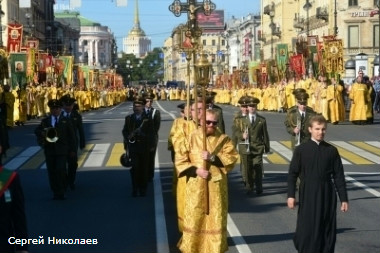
<point>139,101</point>
<point>149,95</point>
<point>253,101</point>
<point>67,100</point>
<point>54,103</point>
<point>302,97</point>
<point>299,90</point>
<point>243,101</point>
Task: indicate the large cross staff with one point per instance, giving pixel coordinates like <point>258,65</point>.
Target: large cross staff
<point>202,70</point>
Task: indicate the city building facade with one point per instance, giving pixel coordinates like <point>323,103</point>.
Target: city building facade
<point>136,42</point>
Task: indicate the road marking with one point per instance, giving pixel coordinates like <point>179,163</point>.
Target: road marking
<point>365,187</point>
<point>281,149</point>
<point>240,243</point>
<point>374,143</point>
<point>97,156</point>
<point>347,154</point>
<point>114,159</point>
<point>19,160</point>
<point>84,153</point>
<point>358,151</point>
<point>365,146</point>
<point>159,209</point>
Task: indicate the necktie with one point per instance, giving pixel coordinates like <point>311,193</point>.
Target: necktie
<point>252,119</point>
<point>55,121</point>
<point>302,116</point>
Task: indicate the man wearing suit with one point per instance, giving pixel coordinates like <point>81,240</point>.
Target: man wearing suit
<point>297,119</point>
<point>258,138</point>
<point>155,116</point>
<point>57,136</point>
<point>76,119</point>
<point>138,140</point>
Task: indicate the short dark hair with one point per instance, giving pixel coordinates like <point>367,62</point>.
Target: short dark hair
<point>319,118</point>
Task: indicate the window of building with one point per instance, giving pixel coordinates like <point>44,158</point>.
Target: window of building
<point>376,36</point>
<point>353,36</point>
<point>204,42</point>
<point>375,2</point>
<point>213,42</point>
<point>352,2</point>
<point>223,42</point>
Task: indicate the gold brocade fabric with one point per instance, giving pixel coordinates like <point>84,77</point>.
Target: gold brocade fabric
<point>358,95</point>
<point>336,104</point>
<point>206,233</point>
<point>179,138</point>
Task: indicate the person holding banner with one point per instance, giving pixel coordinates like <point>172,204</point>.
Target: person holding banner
<point>205,231</point>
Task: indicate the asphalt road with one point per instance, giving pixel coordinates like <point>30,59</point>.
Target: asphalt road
<point>102,208</point>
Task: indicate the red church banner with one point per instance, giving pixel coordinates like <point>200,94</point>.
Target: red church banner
<point>14,38</point>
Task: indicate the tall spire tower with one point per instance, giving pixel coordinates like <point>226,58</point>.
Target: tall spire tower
<point>136,41</point>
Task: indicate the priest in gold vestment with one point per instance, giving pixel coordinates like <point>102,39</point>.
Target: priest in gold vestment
<point>206,232</point>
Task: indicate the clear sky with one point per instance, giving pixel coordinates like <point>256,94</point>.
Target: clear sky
<point>155,18</point>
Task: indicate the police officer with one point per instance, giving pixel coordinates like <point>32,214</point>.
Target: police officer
<point>297,118</point>
<point>57,137</point>
<point>138,136</point>
<point>253,129</point>
<point>71,113</point>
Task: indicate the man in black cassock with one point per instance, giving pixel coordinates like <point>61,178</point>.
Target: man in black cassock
<point>319,167</point>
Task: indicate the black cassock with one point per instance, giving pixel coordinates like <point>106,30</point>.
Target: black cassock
<point>321,174</point>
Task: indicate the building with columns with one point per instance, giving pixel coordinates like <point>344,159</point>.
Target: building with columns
<point>97,44</point>
<point>136,42</point>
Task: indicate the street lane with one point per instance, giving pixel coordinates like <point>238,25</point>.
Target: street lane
<point>101,207</point>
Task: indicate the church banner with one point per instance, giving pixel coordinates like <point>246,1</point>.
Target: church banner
<point>68,68</point>
<point>282,57</point>
<point>18,63</point>
<point>334,56</point>
<point>14,38</point>
<point>298,65</point>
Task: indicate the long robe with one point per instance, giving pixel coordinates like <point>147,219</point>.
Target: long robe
<point>321,174</point>
<point>204,233</point>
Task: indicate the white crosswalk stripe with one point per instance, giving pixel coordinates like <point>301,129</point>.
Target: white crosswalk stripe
<point>97,155</point>
<point>100,154</point>
<point>358,151</point>
<point>19,160</point>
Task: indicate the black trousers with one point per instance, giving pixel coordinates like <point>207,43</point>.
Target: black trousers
<point>56,167</point>
<point>72,166</point>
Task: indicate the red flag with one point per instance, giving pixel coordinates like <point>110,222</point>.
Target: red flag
<point>14,38</point>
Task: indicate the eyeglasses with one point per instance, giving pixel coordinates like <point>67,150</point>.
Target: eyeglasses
<point>209,122</point>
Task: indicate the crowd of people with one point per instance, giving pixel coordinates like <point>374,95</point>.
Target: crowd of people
<point>203,154</point>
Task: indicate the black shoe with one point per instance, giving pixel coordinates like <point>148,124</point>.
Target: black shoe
<point>72,186</point>
<point>259,192</point>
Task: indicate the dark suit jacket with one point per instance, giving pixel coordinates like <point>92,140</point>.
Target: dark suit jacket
<point>76,120</point>
<point>66,136</point>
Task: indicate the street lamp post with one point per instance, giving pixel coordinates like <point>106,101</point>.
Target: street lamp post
<point>335,21</point>
<point>307,7</point>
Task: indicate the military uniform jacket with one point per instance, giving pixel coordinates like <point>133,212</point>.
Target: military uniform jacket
<point>66,142</point>
<point>258,134</point>
<point>143,131</point>
<point>238,127</point>
<point>76,120</point>
<point>291,122</point>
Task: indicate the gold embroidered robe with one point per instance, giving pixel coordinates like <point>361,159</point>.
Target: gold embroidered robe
<point>205,233</point>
